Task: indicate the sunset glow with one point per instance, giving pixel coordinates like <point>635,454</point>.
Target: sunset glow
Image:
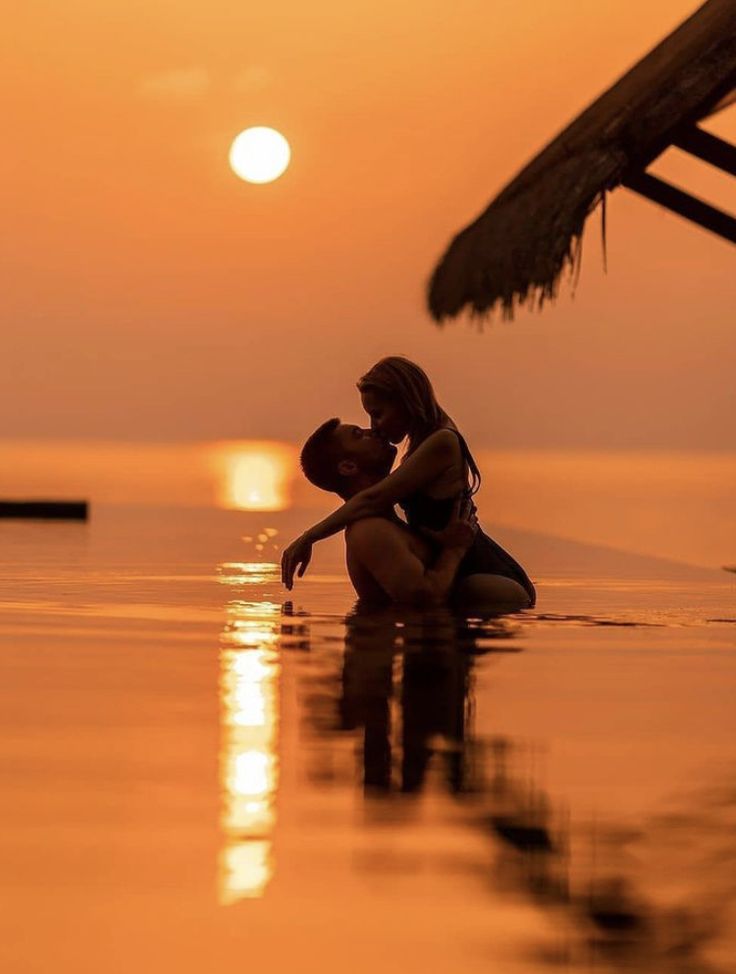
<point>268,701</point>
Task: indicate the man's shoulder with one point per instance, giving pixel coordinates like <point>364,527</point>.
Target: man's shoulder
<point>367,527</point>
<point>370,531</point>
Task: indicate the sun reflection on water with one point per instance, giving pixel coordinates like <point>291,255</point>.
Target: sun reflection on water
<point>248,757</point>
<point>237,573</point>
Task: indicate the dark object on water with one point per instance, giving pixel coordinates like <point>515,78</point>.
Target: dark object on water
<point>614,910</point>
<point>615,919</point>
<point>47,510</point>
<point>517,250</point>
<point>522,836</point>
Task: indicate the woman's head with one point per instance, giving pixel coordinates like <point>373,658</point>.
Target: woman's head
<point>400,400</point>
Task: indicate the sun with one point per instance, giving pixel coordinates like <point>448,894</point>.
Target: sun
<point>254,475</point>
<point>259,154</point>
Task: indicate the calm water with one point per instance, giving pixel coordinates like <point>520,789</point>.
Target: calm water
<point>198,775</point>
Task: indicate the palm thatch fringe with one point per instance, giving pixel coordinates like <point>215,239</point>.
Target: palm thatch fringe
<point>516,252</point>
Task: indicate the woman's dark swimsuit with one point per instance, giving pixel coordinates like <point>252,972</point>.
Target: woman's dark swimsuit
<point>485,556</point>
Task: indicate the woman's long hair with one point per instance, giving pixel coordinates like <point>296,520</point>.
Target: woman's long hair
<point>403,382</point>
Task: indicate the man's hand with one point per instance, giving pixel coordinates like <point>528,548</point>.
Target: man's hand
<point>294,560</point>
<point>460,530</point>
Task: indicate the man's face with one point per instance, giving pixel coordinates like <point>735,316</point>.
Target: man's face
<point>372,454</point>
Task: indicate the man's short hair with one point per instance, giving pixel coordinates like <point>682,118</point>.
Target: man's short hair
<point>320,458</point>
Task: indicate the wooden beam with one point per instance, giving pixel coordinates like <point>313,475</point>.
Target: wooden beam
<point>707,147</point>
<point>696,210</point>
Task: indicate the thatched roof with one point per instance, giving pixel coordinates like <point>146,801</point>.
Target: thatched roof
<point>517,250</point>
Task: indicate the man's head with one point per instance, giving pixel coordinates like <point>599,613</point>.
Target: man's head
<point>345,459</point>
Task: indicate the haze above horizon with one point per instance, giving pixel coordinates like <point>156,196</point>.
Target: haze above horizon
<point>149,294</point>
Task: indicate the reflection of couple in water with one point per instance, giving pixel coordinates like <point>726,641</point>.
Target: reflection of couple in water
<point>417,711</point>
<point>439,552</point>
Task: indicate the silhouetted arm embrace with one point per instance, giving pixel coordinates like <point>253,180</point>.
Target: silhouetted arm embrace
<point>428,462</point>
<point>382,548</point>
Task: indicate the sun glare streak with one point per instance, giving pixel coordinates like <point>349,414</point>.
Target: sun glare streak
<point>249,758</point>
<point>255,476</point>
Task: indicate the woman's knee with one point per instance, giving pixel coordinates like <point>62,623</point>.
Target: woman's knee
<point>492,590</point>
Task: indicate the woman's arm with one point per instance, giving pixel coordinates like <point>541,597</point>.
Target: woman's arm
<point>431,459</point>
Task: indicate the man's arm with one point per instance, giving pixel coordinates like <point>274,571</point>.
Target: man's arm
<point>431,459</point>
<point>383,550</point>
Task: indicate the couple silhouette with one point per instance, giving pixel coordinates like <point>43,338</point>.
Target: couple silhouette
<point>438,552</point>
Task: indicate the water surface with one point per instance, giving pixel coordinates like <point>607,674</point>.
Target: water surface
<point>201,774</point>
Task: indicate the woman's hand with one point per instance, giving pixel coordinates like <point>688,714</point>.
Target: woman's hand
<point>294,560</point>
<point>460,530</point>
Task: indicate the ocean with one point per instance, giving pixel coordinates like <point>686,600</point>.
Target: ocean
<point>201,771</point>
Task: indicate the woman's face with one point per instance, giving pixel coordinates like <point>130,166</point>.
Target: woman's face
<point>388,419</point>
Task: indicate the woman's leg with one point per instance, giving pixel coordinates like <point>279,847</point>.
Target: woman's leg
<point>493,592</point>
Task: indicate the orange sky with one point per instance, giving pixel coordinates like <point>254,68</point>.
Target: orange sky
<point>148,293</point>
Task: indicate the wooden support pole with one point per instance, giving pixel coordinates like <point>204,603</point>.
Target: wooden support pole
<point>707,147</point>
<point>696,210</point>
